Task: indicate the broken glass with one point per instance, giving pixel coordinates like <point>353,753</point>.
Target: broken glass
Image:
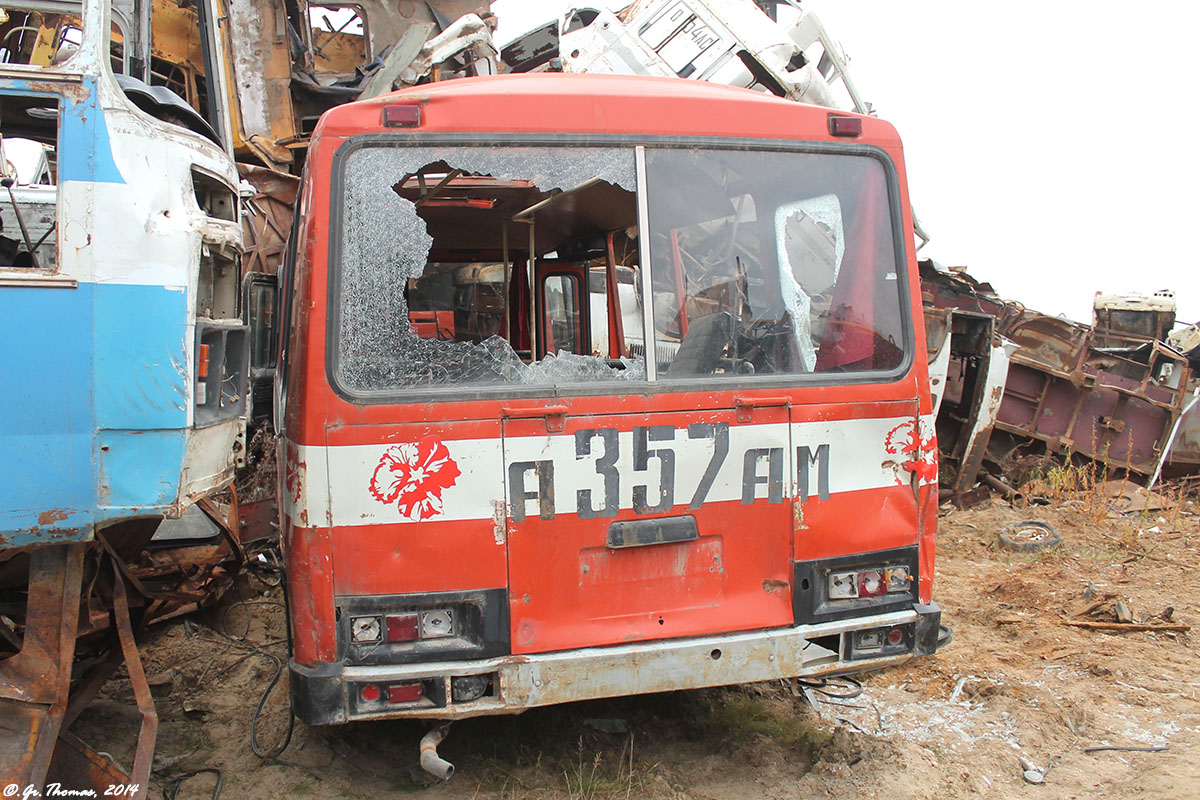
<point>567,367</point>
<point>420,262</point>
<point>810,244</point>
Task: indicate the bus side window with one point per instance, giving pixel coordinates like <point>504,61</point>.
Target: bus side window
<point>29,166</point>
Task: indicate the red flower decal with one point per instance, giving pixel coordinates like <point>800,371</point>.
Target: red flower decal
<point>413,476</point>
<point>292,468</point>
<point>918,445</point>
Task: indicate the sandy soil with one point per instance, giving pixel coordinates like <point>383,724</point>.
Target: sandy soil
<point>1016,682</point>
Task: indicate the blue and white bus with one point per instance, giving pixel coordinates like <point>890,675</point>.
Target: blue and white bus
<point>123,375</point>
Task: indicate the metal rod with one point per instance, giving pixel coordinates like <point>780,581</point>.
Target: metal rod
<point>533,320</point>
<point>7,183</point>
<point>543,203</point>
<point>616,326</point>
<point>141,689</point>
<point>504,300</point>
<point>1000,486</point>
<point>643,215</point>
<point>432,193</point>
<point>680,291</point>
<point>319,50</point>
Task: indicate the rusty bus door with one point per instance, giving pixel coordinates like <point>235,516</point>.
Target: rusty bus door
<point>671,521</point>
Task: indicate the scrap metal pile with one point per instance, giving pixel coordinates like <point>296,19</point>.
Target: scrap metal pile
<point>292,61</point>
<point>68,618</point>
<point>1016,386</point>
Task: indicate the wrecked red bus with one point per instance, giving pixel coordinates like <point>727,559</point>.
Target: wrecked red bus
<point>599,386</point>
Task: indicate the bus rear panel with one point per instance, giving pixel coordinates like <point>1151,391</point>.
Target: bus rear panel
<point>600,386</point>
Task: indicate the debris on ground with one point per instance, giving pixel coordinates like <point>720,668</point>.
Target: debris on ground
<point>1020,680</point>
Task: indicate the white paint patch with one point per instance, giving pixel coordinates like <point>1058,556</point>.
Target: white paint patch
<point>499,522</point>
<point>335,483</point>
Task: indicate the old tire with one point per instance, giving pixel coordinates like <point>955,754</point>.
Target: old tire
<point>1028,536</point>
<point>945,636</point>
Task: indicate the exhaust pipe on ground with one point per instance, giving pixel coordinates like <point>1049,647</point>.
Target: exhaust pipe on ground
<point>431,762</point>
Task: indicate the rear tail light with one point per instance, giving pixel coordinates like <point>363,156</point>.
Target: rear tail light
<point>436,624</point>
<point>404,693</point>
<point>374,694</point>
<point>364,630</point>
<point>202,362</point>
<point>869,583</point>
<point>465,688</point>
<point>202,375</point>
<point>843,585</point>
<point>898,579</point>
<point>869,640</point>
<point>402,628</point>
<point>875,642</point>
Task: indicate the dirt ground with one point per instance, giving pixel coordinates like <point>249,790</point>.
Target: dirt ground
<point>1016,682</point>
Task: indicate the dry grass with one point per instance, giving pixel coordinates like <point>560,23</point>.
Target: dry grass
<point>1080,487</point>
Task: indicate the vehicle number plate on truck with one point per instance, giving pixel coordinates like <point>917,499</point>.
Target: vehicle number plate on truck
<point>681,39</point>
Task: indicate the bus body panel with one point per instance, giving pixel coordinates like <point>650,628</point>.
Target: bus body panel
<point>112,328</point>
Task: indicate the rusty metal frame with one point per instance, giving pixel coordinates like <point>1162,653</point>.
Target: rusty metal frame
<point>1106,410</point>
<point>35,683</point>
<point>141,688</point>
<point>68,597</point>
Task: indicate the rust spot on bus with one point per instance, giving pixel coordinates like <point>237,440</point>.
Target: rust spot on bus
<point>52,516</point>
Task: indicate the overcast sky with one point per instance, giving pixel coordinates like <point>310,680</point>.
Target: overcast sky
<point>1042,139</point>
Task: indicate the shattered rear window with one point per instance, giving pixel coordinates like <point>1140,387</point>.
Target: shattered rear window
<point>450,258</point>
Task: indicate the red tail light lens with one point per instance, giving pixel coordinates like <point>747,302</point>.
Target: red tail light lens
<point>895,636</point>
<point>845,126</point>
<point>870,583</point>
<point>404,693</point>
<point>370,693</point>
<point>402,628</point>
<point>401,116</point>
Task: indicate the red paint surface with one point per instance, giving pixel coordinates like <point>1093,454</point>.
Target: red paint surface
<point>649,592</point>
<point>310,588</point>
<point>429,557</point>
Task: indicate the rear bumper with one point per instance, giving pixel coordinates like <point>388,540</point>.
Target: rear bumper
<point>329,694</point>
